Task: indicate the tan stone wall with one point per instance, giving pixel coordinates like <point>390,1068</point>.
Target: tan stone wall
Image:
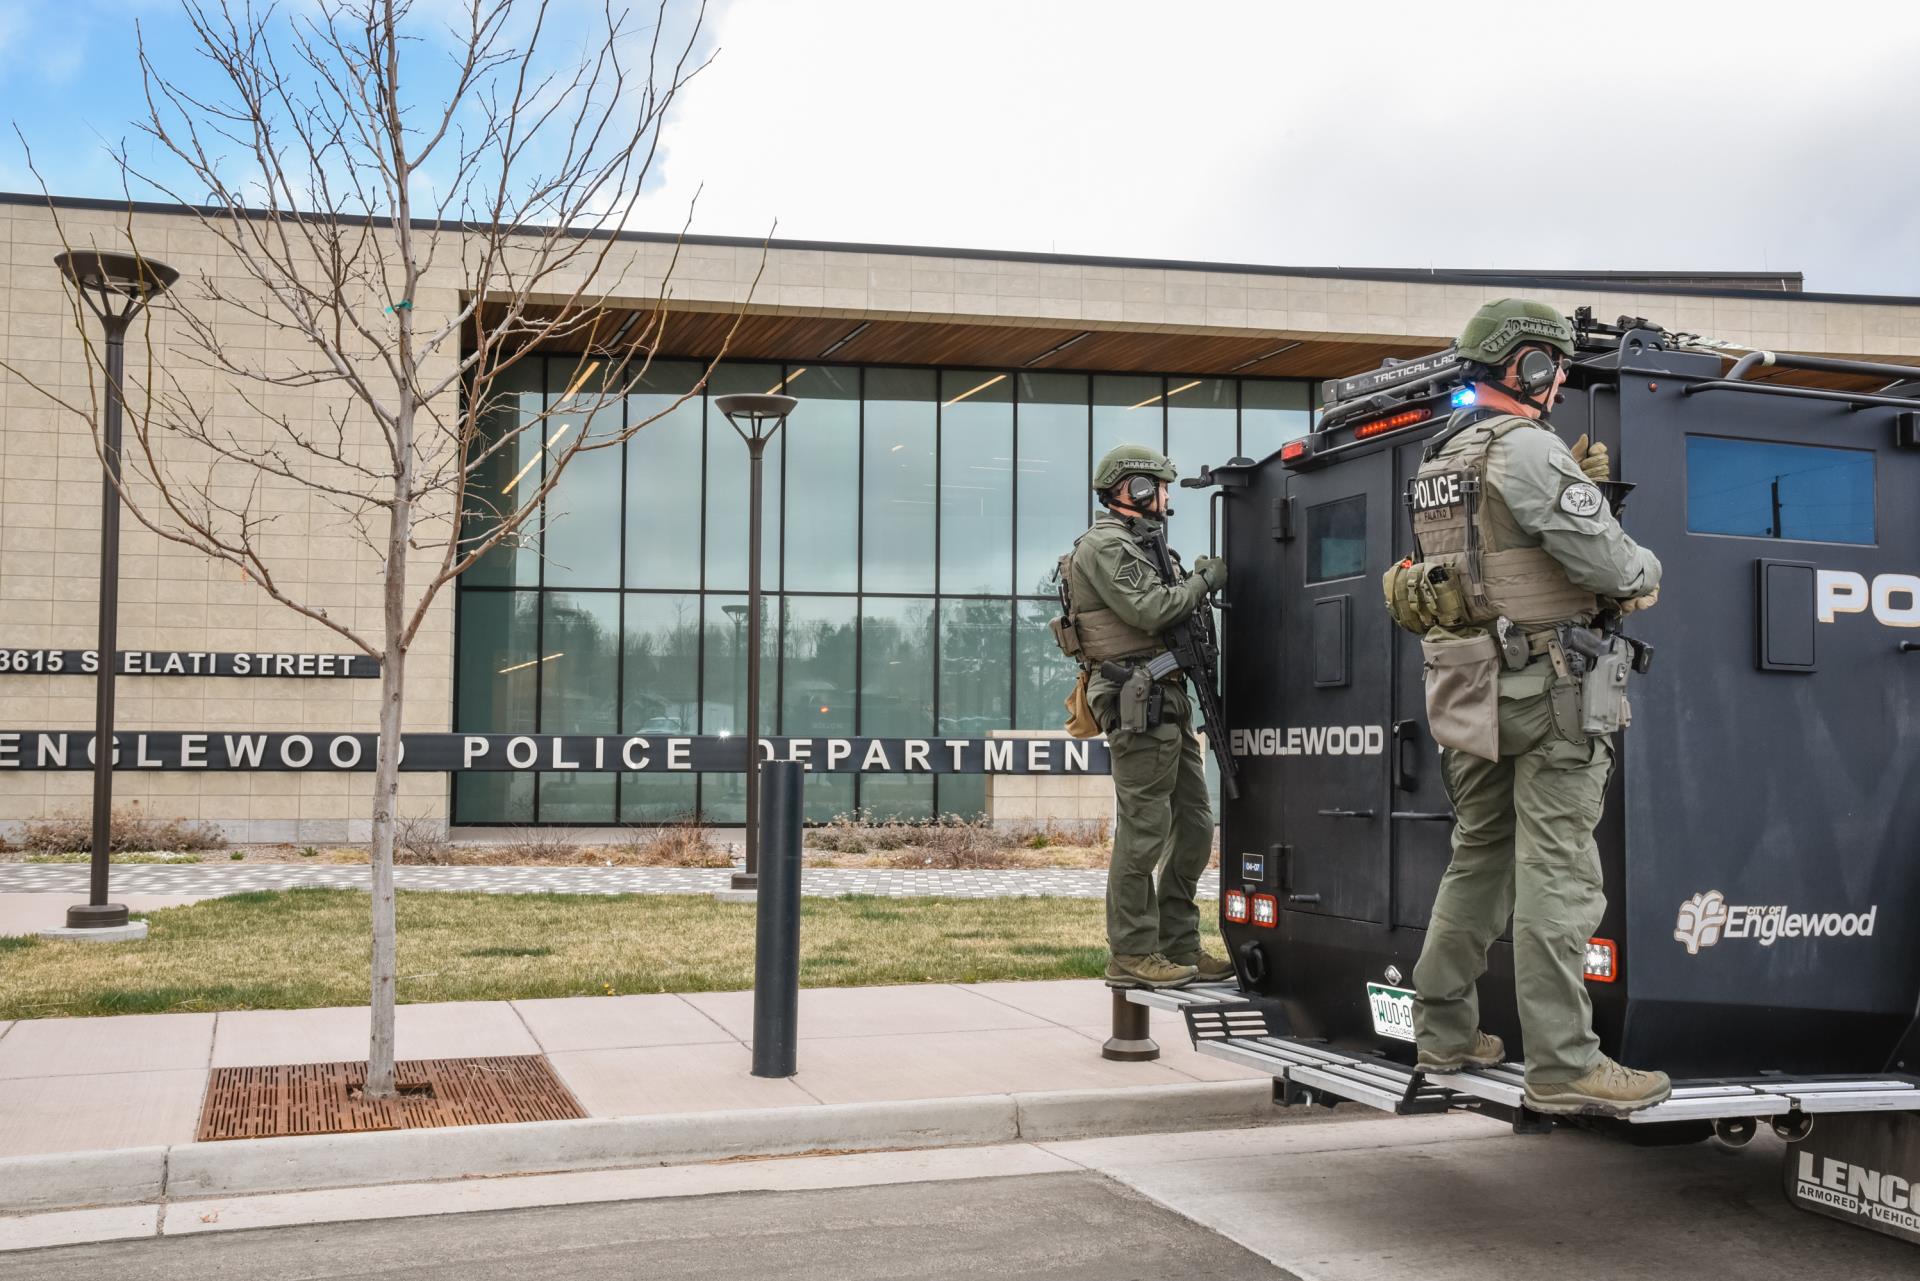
<point>1039,798</point>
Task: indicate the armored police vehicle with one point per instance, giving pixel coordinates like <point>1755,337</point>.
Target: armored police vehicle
<point>1761,841</point>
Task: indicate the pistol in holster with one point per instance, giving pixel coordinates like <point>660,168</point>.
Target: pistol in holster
<point>1599,664</point>
<point>1142,699</point>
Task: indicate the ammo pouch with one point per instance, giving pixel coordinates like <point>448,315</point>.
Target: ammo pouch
<point>1463,692</point>
<point>1067,637</point>
<point>1080,718</point>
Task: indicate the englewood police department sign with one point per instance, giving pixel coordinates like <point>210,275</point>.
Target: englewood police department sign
<point>521,753</point>
<point>174,662</point>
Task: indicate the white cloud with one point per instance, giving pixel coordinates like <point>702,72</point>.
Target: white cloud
<point>1704,136</point>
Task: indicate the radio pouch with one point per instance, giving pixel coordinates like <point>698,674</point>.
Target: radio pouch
<point>1463,692</point>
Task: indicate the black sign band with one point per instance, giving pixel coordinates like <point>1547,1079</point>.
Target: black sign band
<point>220,751</point>
<point>180,662</point>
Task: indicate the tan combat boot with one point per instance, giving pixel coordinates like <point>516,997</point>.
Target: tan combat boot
<point>1486,1051</point>
<point>1153,970</point>
<point>1608,1089</point>
<point>1212,969</point>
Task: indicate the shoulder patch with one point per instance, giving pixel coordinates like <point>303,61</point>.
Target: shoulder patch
<point>1131,574</point>
<point>1581,499</point>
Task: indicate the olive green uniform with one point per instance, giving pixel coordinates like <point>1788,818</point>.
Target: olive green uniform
<point>1523,832</point>
<point>1162,810</point>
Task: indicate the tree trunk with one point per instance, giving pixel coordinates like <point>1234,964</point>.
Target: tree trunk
<point>386,800</point>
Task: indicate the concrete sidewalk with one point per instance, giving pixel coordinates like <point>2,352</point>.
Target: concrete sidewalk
<point>879,1067</point>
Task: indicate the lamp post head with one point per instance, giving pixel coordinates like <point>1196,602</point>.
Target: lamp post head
<point>761,414</point>
<point>115,286</point>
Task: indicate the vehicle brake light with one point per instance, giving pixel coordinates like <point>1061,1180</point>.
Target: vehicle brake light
<point>1380,426</point>
<point>1266,910</point>
<point>1603,961</point>
<point>1234,904</point>
<point>1295,450</point>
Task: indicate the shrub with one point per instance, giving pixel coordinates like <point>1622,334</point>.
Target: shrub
<point>680,844</point>
<point>131,829</point>
<point>419,840</point>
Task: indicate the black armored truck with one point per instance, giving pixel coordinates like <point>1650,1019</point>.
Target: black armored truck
<point>1761,839</point>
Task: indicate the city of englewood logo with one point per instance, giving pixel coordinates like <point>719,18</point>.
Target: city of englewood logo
<point>1705,919</point>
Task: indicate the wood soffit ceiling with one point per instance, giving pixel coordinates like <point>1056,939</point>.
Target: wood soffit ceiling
<point>850,340</point>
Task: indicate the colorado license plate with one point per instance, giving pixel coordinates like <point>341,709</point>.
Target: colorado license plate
<point>1392,1011</point>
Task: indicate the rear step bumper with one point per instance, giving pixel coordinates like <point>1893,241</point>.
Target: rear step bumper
<point>1226,1025</point>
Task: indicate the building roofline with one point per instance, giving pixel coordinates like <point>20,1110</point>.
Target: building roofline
<point>1624,282</point>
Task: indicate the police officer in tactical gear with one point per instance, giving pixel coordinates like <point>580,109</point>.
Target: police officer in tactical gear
<point>1519,571</point>
<point>1117,604</point>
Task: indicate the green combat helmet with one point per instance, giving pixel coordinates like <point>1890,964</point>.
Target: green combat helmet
<point>1123,461</point>
<point>1500,326</point>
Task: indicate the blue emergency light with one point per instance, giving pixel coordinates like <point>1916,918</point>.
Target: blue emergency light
<point>1465,396</point>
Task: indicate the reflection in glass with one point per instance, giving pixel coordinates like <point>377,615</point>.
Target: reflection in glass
<point>1200,433</point>
<point>818,689</point>
<point>727,487</point>
<point>660,698</point>
<point>1042,675</point>
<point>663,476</point>
<point>899,501</point>
<point>508,469</point>
<point>724,700</point>
<point>583,511</point>
<point>896,697</point>
<point>823,480</point>
<point>1271,414</point>
<point>976,645</point>
<point>580,664</point>
<point>1337,539</point>
<point>976,482</point>
<point>1053,474</point>
<point>1128,410</point>
<point>499,679</point>
<point>1762,489</point>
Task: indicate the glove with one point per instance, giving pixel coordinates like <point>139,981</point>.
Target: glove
<point>1213,570</point>
<point>1593,459</point>
<point>1648,601</point>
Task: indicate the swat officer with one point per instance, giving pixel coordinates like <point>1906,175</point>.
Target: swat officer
<point>1517,558</point>
<point>1116,605</point>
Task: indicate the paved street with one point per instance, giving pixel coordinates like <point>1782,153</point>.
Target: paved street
<point>206,881</point>
<point>1367,1199</point>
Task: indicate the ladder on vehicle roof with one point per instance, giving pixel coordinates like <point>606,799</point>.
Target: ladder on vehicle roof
<point>1227,1025</point>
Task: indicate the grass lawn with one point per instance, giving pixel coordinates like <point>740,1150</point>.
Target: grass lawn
<point>297,949</point>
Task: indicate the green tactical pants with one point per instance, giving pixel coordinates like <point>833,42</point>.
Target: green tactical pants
<point>1163,819</point>
<point>1522,847</point>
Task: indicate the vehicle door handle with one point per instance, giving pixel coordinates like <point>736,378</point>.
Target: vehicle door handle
<point>1405,733</point>
<point>1346,813</point>
<point>1424,816</point>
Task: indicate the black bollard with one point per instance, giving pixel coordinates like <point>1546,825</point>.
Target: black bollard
<point>776,957</point>
<point>1132,1040</point>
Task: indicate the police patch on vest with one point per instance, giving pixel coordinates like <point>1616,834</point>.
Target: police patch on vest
<point>1432,493</point>
<point>1581,499</point>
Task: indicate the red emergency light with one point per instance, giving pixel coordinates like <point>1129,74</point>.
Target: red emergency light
<point>1381,426</point>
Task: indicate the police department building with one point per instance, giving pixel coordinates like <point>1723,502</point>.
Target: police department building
<point>950,406</point>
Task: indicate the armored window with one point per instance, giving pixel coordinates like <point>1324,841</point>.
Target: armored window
<point>1761,489</point>
<point>1337,539</point>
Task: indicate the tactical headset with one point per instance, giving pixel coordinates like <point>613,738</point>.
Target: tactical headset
<point>1533,377</point>
<point>1139,490</point>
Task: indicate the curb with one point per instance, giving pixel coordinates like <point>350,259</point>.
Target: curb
<point>257,1166</point>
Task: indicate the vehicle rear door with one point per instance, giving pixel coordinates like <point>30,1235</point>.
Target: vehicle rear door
<point>1336,699</point>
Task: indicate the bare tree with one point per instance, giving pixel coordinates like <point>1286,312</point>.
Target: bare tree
<point>385,254</point>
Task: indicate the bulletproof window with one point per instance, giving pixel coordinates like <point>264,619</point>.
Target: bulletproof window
<point>1763,489</point>
<point>1337,539</point>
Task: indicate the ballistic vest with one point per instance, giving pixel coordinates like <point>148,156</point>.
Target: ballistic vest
<point>1460,522</point>
<point>1102,636</point>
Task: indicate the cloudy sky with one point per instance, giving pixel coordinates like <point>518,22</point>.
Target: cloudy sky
<point>1704,136</point>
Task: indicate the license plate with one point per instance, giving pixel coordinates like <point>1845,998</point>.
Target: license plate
<point>1392,1011</point>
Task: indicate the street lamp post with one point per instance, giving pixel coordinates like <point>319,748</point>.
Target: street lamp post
<point>756,418</point>
<point>115,288</point>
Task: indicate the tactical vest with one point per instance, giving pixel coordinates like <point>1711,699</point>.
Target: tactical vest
<point>1461,523</point>
<point>1094,636</point>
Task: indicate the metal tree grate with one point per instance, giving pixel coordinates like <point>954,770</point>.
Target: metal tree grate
<point>324,1098</point>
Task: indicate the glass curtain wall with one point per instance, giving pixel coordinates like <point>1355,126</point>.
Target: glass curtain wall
<point>914,518</point>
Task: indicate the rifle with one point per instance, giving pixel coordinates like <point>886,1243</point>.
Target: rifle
<point>1195,646</point>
